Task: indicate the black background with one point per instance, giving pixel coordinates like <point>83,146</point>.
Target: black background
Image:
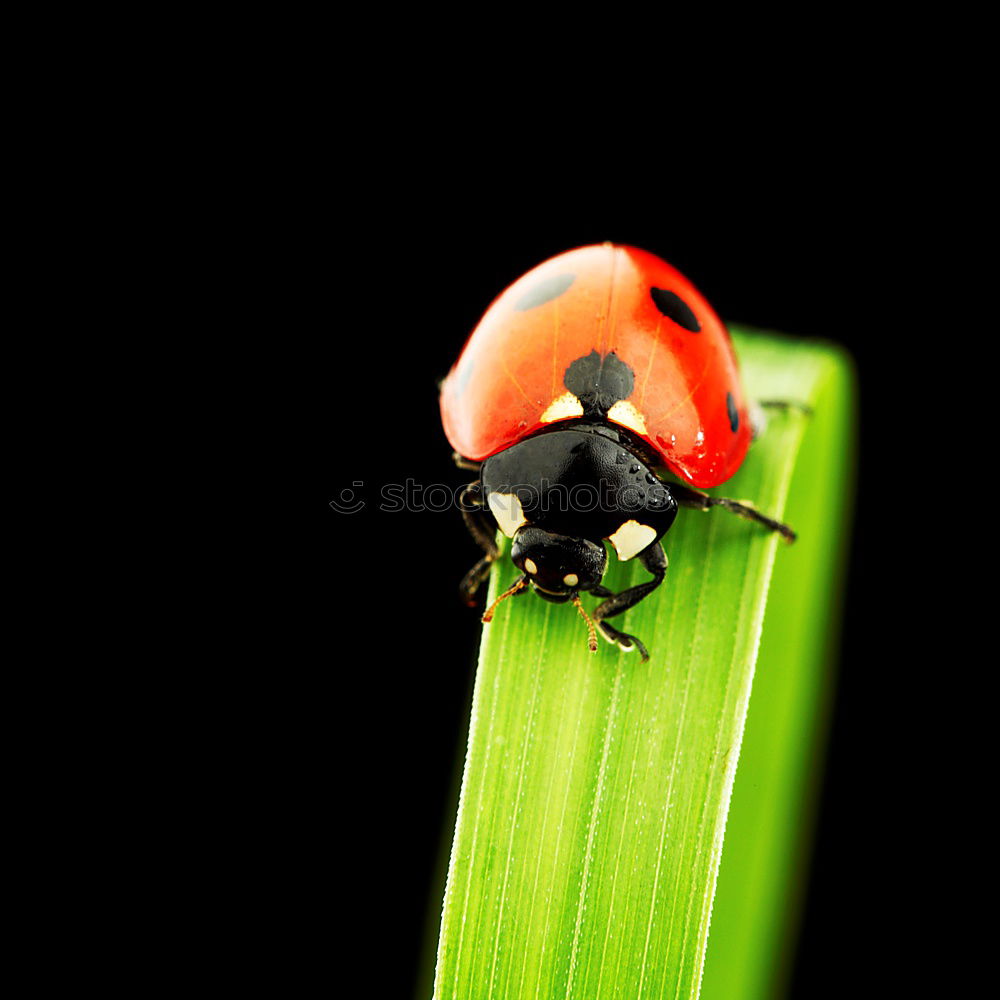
<point>298,251</point>
<point>807,241</point>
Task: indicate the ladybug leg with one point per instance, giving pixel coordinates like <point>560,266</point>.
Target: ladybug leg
<point>482,529</point>
<point>465,463</point>
<point>702,501</point>
<point>473,580</point>
<point>786,404</point>
<point>623,640</point>
<point>655,560</point>
<point>758,421</point>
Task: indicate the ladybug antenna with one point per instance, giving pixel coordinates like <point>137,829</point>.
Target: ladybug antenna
<point>591,629</point>
<point>509,592</point>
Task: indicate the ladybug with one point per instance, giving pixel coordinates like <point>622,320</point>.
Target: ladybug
<point>585,382</point>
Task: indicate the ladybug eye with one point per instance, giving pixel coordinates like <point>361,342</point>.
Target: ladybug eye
<point>529,565</point>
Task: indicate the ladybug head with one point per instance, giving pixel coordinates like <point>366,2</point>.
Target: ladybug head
<point>558,566</point>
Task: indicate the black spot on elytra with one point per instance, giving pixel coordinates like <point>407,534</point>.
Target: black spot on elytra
<point>599,382</point>
<point>675,308</point>
<point>734,417</point>
<point>544,291</point>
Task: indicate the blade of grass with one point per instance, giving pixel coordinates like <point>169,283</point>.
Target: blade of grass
<point>596,788</point>
<point>761,879</point>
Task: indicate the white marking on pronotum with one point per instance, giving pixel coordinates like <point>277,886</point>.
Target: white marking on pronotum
<point>529,565</point>
<point>630,538</point>
<point>562,408</point>
<point>571,579</point>
<point>508,511</point>
<point>624,413</point>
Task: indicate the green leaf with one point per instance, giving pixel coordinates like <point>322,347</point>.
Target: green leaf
<point>596,787</point>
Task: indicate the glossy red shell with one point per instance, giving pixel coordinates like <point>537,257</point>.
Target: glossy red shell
<point>686,402</point>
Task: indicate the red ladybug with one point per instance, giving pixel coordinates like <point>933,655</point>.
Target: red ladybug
<point>587,375</point>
